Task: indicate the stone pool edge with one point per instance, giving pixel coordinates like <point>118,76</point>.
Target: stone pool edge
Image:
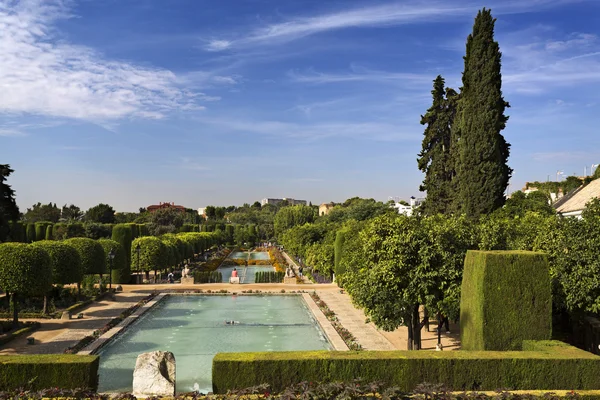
<point>97,344</point>
<point>332,335</point>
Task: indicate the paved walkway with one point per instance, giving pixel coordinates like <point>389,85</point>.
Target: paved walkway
<point>295,267</point>
<point>56,335</point>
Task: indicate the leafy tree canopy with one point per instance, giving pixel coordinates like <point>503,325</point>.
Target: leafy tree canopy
<point>42,212</point>
<point>165,220</point>
<point>102,213</point>
<point>8,206</point>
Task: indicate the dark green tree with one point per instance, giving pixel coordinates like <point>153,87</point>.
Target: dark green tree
<point>165,220</point>
<point>71,213</point>
<point>435,157</point>
<point>482,172</point>
<point>101,213</point>
<point>42,212</point>
<point>8,206</point>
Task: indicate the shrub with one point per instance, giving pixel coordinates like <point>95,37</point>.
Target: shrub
<point>143,230</point>
<point>506,298</point>
<point>24,270</point>
<point>121,233</point>
<point>120,269</point>
<point>48,370</point>
<point>40,230</point>
<point>153,253</point>
<point>94,230</point>
<point>269,277</point>
<point>552,366</point>
<point>30,232</point>
<point>66,262</point>
<point>91,254</point>
<point>208,277</point>
<point>49,232</point>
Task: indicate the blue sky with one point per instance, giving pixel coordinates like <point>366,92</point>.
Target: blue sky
<point>133,102</point>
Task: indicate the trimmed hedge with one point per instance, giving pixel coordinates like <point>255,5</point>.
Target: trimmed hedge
<point>338,245</point>
<point>208,277</point>
<point>25,269</point>
<point>40,230</point>
<point>91,254</point>
<point>120,269</point>
<point>43,371</point>
<point>121,233</point>
<point>505,298</point>
<point>49,232</point>
<point>553,366</point>
<point>153,253</point>
<point>269,277</point>
<point>30,233</point>
<point>66,262</point>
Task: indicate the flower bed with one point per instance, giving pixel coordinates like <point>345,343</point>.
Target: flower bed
<point>277,259</point>
<point>111,324</point>
<point>214,263</point>
<point>346,336</point>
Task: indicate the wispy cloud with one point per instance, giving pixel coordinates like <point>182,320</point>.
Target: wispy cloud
<point>11,133</point>
<point>357,74</point>
<point>397,13</point>
<point>45,76</point>
<point>381,131</point>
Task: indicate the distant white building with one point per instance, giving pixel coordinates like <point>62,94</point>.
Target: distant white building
<point>292,202</point>
<point>573,204</point>
<point>407,209</point>
<point>202,212</point>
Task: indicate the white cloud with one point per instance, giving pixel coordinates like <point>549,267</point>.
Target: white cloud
<point>11,133</point>
<point>359,74</point>
<point>218,45</point>
<point>45,76</point>
<point>577,40</point>
<point>230,80</point>
<point>397,13</point>
<point>190,164</point>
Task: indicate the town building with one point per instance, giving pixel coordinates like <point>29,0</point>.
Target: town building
<point>573,204</point>
<point>202,212</point>
<point>291,202</point>
<point>158,206</point>
<point>407,209</point>
<point>325,208</point>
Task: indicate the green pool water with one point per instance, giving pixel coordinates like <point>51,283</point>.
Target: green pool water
<point>194,329</point>
<point>257,255</point>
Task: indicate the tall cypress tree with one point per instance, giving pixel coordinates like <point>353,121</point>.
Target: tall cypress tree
<point>435,156</point>
<point>482,172</point>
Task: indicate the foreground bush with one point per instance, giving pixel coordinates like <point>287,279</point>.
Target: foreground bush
<point>48,370</point>
<point>546,365</point>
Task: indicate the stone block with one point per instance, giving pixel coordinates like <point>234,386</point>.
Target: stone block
<point>154,374</point>
<point>187,280</point>
<point>66,315</point>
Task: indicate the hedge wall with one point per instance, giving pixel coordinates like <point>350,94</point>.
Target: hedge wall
<point>25,269</point>
<point>553,366</point>
<point>153,253</point>
<point>49,232</point>
<point>40,230</point>
<point>49,371</point>
<point>208,277</point>
<point>121,233</point>
<point>91,254</point>
<point>505,298</point>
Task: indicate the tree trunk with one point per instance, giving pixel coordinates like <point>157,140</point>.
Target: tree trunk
<point>416,323</point>
<point>409,342</point>
<point>15,310</point>
<point>45,308</point>
<point>79,291</point>
<point>100,284</point>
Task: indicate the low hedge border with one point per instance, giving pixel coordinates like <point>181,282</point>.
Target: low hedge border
<point>552,366</point>
<point>344,333</point>
<point>31,327</point>
<point>42,371</point>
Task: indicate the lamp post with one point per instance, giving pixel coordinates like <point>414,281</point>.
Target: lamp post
<point>111,257</point>
<point>138,248</point>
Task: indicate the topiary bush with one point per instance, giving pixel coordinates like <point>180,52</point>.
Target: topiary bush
<point>66,262</point>
<point>42,371</point>
<point>120,269</point>
<point>24,270</point>
<point>505,298</point>
<point>40,230</point>
<point>121,233</point>
<point>153,253</point>
<point>91,253</point>
<point>30,233</point>
<point>49,232</point>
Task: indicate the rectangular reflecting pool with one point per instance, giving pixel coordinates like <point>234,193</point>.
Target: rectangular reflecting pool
<point>194,329</point>
<point>254,255</point>
<point>246,274</point>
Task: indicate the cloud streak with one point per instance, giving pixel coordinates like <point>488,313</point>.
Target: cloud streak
<point>397,13</point>
<point>45,76</point>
